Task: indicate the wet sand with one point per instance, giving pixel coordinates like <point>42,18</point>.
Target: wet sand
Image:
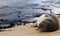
<point>27,30</point>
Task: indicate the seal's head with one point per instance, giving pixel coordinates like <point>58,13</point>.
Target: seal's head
<point>48,22</point>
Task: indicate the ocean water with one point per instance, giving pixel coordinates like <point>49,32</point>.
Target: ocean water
<point>24,11</point>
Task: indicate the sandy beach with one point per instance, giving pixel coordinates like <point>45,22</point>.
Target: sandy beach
<point>27,30</point>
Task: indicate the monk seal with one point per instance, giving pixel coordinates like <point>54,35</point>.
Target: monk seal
<point>48,22</point>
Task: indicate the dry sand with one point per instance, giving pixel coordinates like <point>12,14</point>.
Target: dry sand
<point>27,30</point>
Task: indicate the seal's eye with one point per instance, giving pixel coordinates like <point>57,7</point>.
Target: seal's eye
<point>46,16</point>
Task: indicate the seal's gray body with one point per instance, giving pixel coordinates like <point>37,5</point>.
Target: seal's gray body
<point>48,22</point>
